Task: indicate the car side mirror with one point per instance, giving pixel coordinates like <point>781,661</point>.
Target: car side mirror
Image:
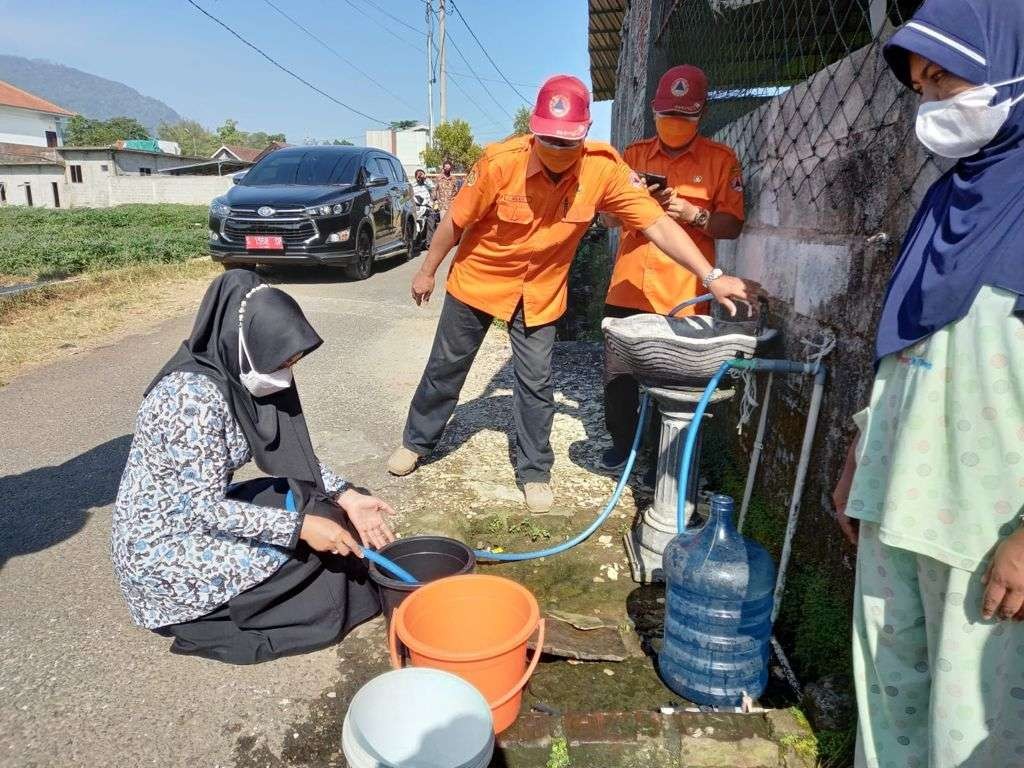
<point>237,178</point>
<point>376,181</point>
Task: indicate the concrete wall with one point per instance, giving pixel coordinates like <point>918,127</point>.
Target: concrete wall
<point>832,176</point>
<point>40,178</point>
<point>23,126</point>
<point>120,190</point>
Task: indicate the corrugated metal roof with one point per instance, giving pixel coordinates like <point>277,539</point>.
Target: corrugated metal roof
<point>27,154</point>
<point>604,43</point>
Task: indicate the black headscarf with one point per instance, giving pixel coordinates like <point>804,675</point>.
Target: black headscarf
<point>275,331</point>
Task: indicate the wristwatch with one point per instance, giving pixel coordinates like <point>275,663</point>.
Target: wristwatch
<point>711,276</point>
<point>701,219</point>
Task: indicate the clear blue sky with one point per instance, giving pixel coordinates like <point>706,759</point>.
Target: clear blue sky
<point>169,50</point>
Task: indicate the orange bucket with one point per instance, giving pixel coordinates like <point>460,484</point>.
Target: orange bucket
<point>476,627</point>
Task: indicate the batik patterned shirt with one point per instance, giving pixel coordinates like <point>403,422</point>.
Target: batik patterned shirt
<point>180,547</point>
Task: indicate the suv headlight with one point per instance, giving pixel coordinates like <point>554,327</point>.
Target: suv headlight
<point>330,209</point>
<point>219,207</point>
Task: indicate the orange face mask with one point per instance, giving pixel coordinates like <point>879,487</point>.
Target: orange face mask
<point>675,131</point>
<point>557,159</point>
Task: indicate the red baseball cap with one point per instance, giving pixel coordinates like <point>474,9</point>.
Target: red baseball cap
<point>563,108</point>
<point>682,89</point>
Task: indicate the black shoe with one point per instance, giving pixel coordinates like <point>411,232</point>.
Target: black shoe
<point>611,461</point>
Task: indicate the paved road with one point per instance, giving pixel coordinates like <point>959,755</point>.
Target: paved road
<point>81,686</point>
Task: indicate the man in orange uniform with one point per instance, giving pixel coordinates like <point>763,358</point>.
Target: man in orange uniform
<point>518,219</point>
<point>704,193</point>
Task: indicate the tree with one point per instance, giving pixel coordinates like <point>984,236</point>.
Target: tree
<point>342,143</point>
<point>83,132</point>
<point>193,139</point>
<point>401,125</point>
<point>452,140</point>
<point>521,123</point>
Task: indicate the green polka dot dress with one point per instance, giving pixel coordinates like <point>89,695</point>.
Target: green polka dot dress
<point>940,463</point>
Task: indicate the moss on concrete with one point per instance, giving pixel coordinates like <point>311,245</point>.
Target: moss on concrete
<point>634,685</point>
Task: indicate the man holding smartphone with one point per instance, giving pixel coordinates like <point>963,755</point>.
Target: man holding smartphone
<point>698,183</point>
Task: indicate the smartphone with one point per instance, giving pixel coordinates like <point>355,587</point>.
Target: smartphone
<point>655,179</point>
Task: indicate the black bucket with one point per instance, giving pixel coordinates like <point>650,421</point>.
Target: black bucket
<point>428,558</point>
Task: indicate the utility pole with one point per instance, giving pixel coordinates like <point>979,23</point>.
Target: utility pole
<point>443,66</point>
<point>430,73</point>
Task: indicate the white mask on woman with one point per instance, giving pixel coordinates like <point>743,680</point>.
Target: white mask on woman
<point>260,384</point>
<point>963,124</point>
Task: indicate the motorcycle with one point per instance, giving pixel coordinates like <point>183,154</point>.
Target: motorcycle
<point>426,217</point>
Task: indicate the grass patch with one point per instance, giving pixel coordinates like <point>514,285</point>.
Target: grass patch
<point>41,243</point>
<point>836,748</point>
<point>44,324</point>
<point>558,757</point>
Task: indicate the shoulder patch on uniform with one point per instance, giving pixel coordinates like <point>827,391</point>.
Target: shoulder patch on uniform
<point>635,180</point>
<point>472,176</point>
<point>737,183</point>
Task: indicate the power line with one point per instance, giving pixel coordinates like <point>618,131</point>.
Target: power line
<point>487,115</point>
<point>340,56</point>
<point>488,55</point>
<point>282,67</point>
<point>386,28</point>
<point>465,61</point>
<point>393,17</point>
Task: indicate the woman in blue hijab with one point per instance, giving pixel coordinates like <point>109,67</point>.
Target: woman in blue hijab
<point>933,488</point>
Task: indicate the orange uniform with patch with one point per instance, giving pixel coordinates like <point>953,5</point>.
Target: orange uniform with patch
<point>708,175</point>
<point>521,229</point>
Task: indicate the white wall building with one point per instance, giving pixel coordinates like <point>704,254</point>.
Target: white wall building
<point>29,120</point>
<point>407,145</point>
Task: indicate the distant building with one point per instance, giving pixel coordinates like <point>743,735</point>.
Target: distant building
<point>28,120</point>
<point>97,177</point>
<point>407,145</point>
<point>225,161</point>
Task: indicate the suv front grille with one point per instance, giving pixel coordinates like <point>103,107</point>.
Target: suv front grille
<point>293,225</point>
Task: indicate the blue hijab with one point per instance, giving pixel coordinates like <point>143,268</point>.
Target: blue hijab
<point>969,230</point>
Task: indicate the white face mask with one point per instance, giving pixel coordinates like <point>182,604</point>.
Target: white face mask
<point>961,125</point>
<point>259,384</point>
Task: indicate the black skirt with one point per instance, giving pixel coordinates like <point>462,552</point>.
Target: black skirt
<point>310,602</point>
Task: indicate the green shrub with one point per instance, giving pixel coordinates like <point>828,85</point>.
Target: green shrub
<point>40,243</point>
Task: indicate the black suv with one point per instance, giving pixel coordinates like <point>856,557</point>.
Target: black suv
<point>337,206</point>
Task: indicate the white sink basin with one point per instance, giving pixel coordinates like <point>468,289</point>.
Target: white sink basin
<point>684,351</point>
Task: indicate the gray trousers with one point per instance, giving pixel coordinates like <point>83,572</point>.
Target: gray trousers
<point>460,332</point>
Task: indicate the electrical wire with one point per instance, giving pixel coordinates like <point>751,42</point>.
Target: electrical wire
<point>283,68</point>
<point>352,64</point>
<point>386,28</point>
<point>458,50</point>
<point>393,17</point>
<point>494,64</point>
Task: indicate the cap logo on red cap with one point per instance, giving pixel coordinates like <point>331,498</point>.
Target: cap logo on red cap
<point>559,106</point>
<point>680,87</point>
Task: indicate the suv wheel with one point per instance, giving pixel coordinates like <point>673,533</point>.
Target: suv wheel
<point>411,246</point>
<point>362,266</point>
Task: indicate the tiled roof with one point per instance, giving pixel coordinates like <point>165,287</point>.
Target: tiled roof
<point>25,154</point>
<point>15,97</point>
<point>248,154</point>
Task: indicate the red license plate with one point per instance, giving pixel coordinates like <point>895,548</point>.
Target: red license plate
<point>264,243</point>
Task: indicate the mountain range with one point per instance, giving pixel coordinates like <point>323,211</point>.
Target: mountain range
<point>89,95</point>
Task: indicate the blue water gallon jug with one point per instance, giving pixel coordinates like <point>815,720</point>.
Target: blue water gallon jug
<point>718,607</point>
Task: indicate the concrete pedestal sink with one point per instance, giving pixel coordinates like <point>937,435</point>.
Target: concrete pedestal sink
<point>674,358</point>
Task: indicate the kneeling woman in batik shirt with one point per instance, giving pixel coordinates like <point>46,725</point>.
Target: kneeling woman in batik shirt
<point>247,572</point>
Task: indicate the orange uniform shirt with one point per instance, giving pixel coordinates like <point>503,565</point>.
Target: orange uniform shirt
<point>708,175</point>
<point>521,229</point>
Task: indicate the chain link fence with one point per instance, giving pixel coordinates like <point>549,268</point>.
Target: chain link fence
<point>795,84</point>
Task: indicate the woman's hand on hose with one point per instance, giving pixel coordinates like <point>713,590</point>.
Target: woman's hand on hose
<point>841,495</point>
<point>1004,580</point>
<point>726,288</point>
<point>325,535</point>
<point>367,515</point>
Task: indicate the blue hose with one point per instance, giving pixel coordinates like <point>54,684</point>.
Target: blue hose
<point>484,554</point>
<point>382,562</point>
